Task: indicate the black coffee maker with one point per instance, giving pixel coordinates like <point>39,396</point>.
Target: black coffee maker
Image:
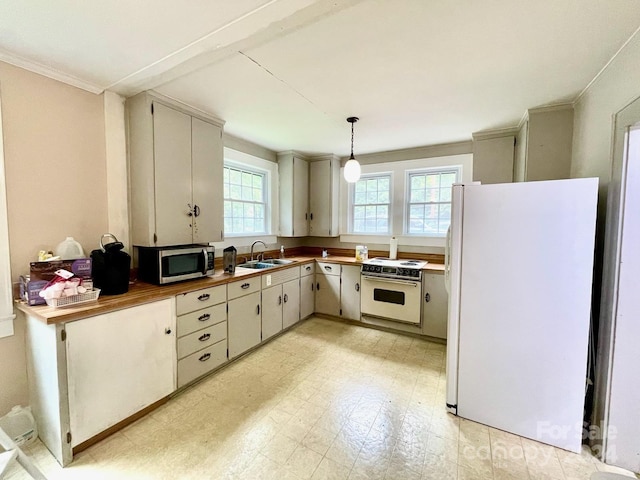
<point>110,267</point>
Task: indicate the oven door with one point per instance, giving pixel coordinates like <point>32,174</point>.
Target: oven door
<point>393,299</point>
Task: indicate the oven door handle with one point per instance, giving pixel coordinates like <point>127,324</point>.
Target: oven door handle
<point>390,280</point>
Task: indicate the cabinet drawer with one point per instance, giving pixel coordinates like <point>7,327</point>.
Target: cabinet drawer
<point>243,287</point>
<point>188,302</point>
<point>328,268</point>
<point>307,269</point>
<point>201,362</point>
<point>200,319</point>
<point>201,339</point>
<point>280,276</point>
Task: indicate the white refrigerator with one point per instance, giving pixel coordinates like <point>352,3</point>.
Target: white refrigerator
<point>519,274</point>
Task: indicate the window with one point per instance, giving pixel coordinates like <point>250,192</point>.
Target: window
<point>429,201</point>
<point>245,202</point>
<point>371,205</point>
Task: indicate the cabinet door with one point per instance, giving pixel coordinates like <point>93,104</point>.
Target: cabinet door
<point>328,294</point>
<point>244,323</point>
<point>291,303</point>
<point>271,311</point>
<point>172,159</point>
<point>301,197</point>
<point>117,364</point>
<point>319,198</point>
<point>307,296</point>
<point>434,305</point>
<point>206,166</point>
<point>350,292</point>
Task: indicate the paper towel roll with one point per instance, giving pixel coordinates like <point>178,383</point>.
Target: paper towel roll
<point>393,248</point>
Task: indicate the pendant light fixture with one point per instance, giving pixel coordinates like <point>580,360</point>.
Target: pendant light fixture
<point>352,167</point>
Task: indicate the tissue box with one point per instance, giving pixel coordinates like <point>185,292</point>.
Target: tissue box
<point>42,273</point>
<point>46,270</point>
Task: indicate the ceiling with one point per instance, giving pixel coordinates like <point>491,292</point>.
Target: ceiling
<point>285,74</point>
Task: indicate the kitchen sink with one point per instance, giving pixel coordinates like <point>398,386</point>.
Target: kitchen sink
<point>261,264</point>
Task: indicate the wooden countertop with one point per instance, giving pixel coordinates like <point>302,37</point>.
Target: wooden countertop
<point>140,293</point>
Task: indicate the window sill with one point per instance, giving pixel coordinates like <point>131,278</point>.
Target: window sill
<point>245,241</point>
<point>6,326</point>
<point>403,240</point>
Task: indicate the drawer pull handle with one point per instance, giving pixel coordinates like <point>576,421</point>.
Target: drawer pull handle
<point>280,300</point>
<point>245,286</point>
<point>286,298</point>
<point>318,286</point>
<point>205,317</point>
<point>308,268</point>
<point>357,287</point>
<point>205,357</point>
<point>204,297</point>
<point>205,337</point>
<point>167,331</point>
<point>328,268</point>
<point>427,297</point>
<point>258,310</point>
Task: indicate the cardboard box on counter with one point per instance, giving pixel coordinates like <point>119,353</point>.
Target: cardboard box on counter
<point>42,273</point>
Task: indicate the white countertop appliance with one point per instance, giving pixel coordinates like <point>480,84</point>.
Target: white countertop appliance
<point>391,289</point>
<point>519,273</point>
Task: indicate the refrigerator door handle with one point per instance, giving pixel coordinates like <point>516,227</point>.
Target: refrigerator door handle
<point>447,261</point>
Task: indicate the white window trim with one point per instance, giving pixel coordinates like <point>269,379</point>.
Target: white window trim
<point>407,193</point>
<point>351,204</point>
<point>465,161</point>
<point>265,196</point>
<point>241,159</point>
<point>6,300</point>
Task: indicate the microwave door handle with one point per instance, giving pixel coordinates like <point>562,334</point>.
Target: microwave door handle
<point>206,261</point>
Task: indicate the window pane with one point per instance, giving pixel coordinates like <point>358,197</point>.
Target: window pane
<point>445,194</point>
<point>371,205</point>
<point>372,185</point>
<point>417,181</point>
<point>361,186</point>
<point>417,196</point>
<point>360,198</point>
<point>447,179</point>
<point>433,181</point>
<point>383,183</point>
<point>235,177</point>
<point>257,195</point>
<point>358,212</point>
<point>372,197</point>
<point>257,181</point>
<point>236,192</point>
<point>237,226</point>
<point>358,225</point>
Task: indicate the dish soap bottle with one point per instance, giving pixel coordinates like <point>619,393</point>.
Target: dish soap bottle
<point>281,251</point>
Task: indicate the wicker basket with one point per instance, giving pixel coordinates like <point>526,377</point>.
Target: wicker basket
<point>74,300</point>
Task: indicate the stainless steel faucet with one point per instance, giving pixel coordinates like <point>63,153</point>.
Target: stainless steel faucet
<point>253,244</point>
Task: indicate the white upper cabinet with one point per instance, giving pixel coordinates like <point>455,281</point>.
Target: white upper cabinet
<point>324,196</point>
<point>176,161</point>
<point>293,172</point>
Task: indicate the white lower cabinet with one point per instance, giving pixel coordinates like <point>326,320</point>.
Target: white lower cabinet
<point>290,303</point>
<point>307,296</point>
<point>244,319</point>
<point>435,305</point>
<point>117,364</point>
<point>307,289</point>
<point>350,292</point>
<point>271,311</point>
<point>328,294</point>
<point>202,332</point>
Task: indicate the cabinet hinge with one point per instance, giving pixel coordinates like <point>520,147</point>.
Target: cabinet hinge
<point>63,335</point>
<point>227,308</point>
<point>152,109</point>
<point>68,437</point>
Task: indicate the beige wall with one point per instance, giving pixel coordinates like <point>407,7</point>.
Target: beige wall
<point>493,159</point>
<point>54,143</point>
<point>618,85</point>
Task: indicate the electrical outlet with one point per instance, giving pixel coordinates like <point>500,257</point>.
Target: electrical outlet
<point>268,280</point>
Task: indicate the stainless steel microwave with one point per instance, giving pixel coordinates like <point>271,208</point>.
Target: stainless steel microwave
<point>162,265</point>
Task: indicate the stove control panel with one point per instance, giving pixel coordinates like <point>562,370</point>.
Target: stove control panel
<point>391,272</point>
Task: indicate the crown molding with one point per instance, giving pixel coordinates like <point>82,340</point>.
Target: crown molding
<point>49,72</point>
<point>554,107</point>
<point>429,151</point>
<point>494,133</point>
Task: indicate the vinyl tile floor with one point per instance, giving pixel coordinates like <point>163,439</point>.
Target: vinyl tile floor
<point>325,400</point>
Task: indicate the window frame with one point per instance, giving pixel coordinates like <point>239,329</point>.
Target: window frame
<point>457,169</point>
<point>246,168</point>
<point>351,205</point>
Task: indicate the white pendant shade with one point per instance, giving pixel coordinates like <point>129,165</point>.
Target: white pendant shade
<point>352,171</point>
